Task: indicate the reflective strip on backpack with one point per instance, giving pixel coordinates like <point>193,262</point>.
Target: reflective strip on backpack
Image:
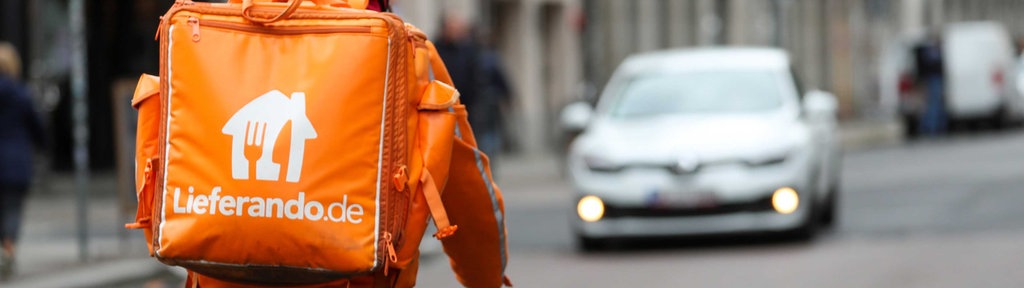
<point>498,217</point>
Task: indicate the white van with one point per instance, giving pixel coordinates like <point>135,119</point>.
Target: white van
<point>980,66</point>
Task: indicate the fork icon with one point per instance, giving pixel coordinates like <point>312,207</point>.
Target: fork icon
<point>254,132</point>
<point>257,151</point>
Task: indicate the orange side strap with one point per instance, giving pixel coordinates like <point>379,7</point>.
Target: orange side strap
<point>444,229</point>
<point>437,65</point>
<point>144,211</point>
<point>192,281</point>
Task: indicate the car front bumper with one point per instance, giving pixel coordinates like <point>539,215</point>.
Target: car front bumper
<point>766,221</point>
<point>739,200</point>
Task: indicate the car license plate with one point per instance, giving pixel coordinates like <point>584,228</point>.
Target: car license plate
<point>682,199</point>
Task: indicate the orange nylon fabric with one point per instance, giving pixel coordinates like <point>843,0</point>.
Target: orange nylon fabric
<point>478,251</point>
<point>444,228</point>
<point>146,151</point>
<point>219,145</point>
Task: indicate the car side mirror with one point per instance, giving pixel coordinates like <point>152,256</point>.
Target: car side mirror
<point>820,105</point>
<point>576,116</point>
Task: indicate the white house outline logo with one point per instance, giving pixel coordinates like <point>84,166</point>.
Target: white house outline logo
<point>255,128</point>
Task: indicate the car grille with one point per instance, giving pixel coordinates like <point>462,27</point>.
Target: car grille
<point>618,211</point>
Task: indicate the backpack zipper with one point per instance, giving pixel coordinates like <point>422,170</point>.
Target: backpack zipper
<point>389,252</point>
<point>196,23</point>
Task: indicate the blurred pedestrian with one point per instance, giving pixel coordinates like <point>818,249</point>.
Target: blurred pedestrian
<point>480,77</point>
<point>20,132</point>
<point>930,70</point>
<point>491,105</point>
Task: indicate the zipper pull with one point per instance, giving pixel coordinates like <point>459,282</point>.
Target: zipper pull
<point>194,22</point>
<point>401,178</point>
<point>389,249</point>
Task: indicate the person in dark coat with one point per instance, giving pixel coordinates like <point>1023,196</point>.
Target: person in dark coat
<point>461,55</point>
<point>930,71</point>
<point>480,78</point>
<point>20,132</point>
<point>490,106</point>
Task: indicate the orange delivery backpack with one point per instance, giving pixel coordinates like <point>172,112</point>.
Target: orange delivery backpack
<point>306,142</point>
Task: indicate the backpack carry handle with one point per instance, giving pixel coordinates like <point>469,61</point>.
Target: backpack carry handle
<point>294,5</point>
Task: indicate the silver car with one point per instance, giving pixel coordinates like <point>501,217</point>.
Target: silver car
<point>704,141</point>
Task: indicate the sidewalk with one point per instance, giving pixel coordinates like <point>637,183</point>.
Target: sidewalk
<point>48,250</point>
<point>866,134</point>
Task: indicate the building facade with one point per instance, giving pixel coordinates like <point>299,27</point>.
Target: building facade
<point>539,43</point>
<point>848,47</point>
<point>552,49</point>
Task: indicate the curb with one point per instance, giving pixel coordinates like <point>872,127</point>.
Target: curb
<point>864,135</point>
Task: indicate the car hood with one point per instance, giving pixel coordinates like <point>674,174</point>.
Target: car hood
<point>707,138</point>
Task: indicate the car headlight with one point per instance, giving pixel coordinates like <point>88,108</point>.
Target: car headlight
<point>601,164</point>
<point>590,208</point>
<point>785,200</point>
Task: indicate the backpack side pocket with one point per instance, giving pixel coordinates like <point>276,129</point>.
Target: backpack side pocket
<point>437,130</point>
<point>146,100</point>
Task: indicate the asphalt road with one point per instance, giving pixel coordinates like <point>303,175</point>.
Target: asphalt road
<point>936,213</point>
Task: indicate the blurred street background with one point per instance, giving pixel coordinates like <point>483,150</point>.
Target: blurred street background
<point>936,211</point>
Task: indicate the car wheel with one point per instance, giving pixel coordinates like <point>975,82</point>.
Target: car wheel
<point>999,120</point>
<point>910,126</point>
<point>589,244</point>
<point>809,227</point>
<point>828,215</point>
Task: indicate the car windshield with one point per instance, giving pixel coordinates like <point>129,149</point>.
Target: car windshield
<point>701,92</point>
